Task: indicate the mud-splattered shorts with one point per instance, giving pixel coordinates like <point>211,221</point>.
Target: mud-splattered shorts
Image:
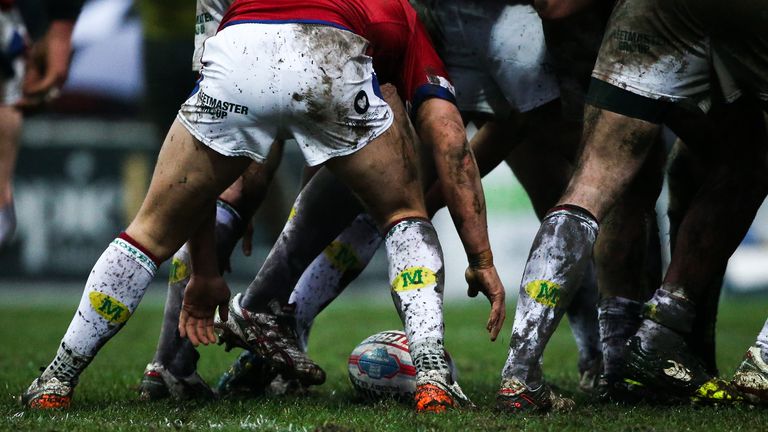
<point>665,50</point>
<point>647,50</point>
<point>12,48</point>
<point>261,82</point>
<point>495,54</point>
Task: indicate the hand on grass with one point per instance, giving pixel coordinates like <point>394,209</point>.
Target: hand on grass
<point>201,297</point>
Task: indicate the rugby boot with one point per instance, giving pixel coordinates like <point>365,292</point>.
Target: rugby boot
<point>434,394</point>
<point>45,394</point>
<point>159,383</point>
<point>7,224</point>
<point>515,397</point>
<point>271,336</point>
<point>674,374</point>
<point>751,378</point>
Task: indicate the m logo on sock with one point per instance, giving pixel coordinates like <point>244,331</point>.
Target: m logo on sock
<point>109,308</point>
<point>414,278</point>
<point>179,271</point>
<point>341,256</point>
<point>544,292</point>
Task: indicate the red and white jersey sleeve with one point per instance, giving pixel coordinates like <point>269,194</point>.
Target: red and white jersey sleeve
<point>423,74</point>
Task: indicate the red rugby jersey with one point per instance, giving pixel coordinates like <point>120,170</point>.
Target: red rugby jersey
<point>402,52</point>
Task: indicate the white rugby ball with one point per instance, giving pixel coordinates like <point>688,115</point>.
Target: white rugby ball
<point>381,367</point>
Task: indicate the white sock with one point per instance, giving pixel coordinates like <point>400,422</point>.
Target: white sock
<point>560,255</point>
<point>416,278</point>
<point>331,272</point>
<point>762,342</point>
<point>113,291</point>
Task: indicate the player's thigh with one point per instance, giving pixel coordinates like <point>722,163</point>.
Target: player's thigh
<point>385,177</point>
<point>187,179</point>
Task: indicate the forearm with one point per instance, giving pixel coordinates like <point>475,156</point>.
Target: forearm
<point>441,129</point>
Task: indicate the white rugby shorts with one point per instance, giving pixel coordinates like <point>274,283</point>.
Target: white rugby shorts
<point>260,82</point>
<point>495,54</point>
<point>12,46</point>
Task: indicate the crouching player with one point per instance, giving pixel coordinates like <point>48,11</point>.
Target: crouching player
<point>638,79</point>
<point>300,69</point>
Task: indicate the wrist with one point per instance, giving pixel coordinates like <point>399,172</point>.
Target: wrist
<point>481,260</point>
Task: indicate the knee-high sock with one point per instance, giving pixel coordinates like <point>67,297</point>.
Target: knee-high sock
<point>113,291</point>
<point>619,320</point>
<point>174,352</point>
<point>416,278</point>
<point>559,257</point>
<point>582,315</point>
<point>330,273</point>
<point>762,342</point>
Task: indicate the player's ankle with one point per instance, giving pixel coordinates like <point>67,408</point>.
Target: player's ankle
<point>671,309</point>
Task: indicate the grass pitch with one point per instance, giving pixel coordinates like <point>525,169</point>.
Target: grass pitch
<point>106,398</point>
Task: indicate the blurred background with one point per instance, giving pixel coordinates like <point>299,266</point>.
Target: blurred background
<point>85,164</point>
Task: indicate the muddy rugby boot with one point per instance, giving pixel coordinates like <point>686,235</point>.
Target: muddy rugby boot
<point>516,398</point>
<point>434,394</point>
<point>159,383</point>
<point>271,336</point>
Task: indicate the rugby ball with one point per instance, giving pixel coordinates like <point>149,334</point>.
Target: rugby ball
<point>380,367</point>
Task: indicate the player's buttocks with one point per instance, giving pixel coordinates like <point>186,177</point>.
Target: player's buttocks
<point>311,82</point>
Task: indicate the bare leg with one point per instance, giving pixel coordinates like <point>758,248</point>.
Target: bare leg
<point>176,358</point>
<point>187,179</point>
<point>10,129</point>
<point>714,224</point>
<point>614,150</point>
<point>687,171</point>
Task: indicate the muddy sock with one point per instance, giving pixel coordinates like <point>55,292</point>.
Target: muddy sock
<point>762,342</point>
<point>113,291</point>
<point>619,319</point>
<point>178,354</point>
<point>416,278</point>
<point>668,318</point>
<point>330,273</point>
<point>171,346</point>
<point>582,316</point>
<point>560,255</point>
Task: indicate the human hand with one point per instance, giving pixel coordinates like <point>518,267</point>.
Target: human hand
<point>47,66</point>
<point>483,278</point>
<point>201,297</point>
